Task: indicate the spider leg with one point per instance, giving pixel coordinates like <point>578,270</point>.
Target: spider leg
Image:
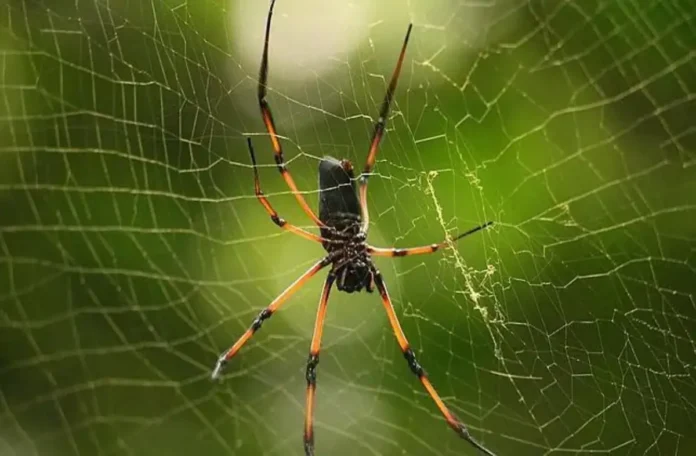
<point>267,205</point>
<point>379,131</point>
<point>270,125</point>
<point>458,427</point>
<point>393,252</point>
<point>267,313</point>
<point>312,362</point>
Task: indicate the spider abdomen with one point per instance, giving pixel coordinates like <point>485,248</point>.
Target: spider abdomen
<point>338,200</point>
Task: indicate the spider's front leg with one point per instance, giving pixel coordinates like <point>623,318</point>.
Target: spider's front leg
<point>379,131</point>
<point>269,209</point>
<point>270,125</point>
<point>458,427</point>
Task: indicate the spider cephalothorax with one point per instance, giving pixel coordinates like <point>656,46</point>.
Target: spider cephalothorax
<point>343,223</point>
<point>352,266</point>
<point>351,263</point>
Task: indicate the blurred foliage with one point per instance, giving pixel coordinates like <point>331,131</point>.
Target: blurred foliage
<point>132,249</point>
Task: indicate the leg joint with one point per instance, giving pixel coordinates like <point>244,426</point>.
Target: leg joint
<point>460,429</point>
<point>258,321</point>
<point>377,276</point>
<point>309,445</point>
<point>278,220</point>
<point>280,161</point>
<point>311,373</point>
<point>328,259</point>
<point>413,363</point>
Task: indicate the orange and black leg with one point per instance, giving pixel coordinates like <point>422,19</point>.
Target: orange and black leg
<point>393,252</point>
<point>379,131</point>
<point>267,313</point>
<point>312,362</point>
<point>459,427</point>
<point>270,125</point>
<point>267,205</point>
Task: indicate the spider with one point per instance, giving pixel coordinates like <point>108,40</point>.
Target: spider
<point>343,223</point>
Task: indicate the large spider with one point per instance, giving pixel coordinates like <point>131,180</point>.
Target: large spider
<point>343,222</point>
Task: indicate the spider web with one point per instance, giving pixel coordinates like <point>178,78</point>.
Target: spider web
<point>133,251</point>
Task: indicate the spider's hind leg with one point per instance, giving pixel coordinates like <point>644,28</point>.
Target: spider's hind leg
<point>312,362</point>
<point>459,427</point>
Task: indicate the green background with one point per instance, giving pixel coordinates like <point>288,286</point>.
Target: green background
<point>133,251</point>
